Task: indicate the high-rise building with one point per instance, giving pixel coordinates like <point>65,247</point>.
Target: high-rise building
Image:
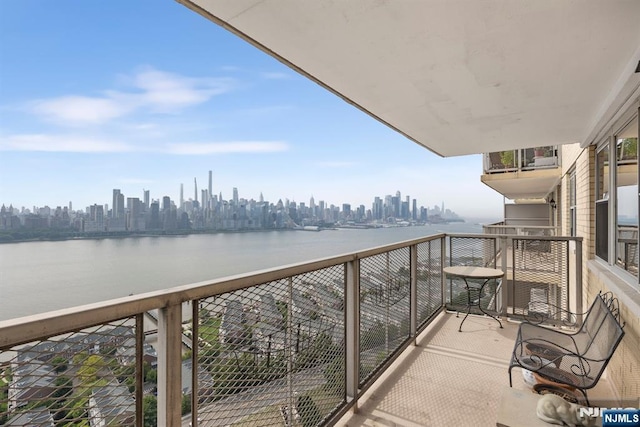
<point>395,206</point>
<point>146,200</point>
<point>117,209</point>
<point>210,187</point>
<point>346,210</point>
<point>378,209</point>
<point>134,214</point>
<point>154,217</point>
<point>181,196</point>
<point>195,193</point>
<point>235,196</point>
<point>166,203</point>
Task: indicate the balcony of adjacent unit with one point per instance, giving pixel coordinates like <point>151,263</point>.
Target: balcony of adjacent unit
<point>298,345</point>
<point>529,173</point>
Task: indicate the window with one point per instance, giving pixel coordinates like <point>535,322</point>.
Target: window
<point>617,236</point>
<point>572,203</point>
<point>602,202</point>
<point>626,224</point>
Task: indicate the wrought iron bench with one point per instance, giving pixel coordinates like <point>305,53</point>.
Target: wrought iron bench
<point>573,360</point>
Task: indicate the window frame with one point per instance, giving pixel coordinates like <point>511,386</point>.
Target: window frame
<point>573,220</point>
<point>609,143</point>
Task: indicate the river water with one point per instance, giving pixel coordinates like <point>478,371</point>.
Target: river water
<point>37,277</point>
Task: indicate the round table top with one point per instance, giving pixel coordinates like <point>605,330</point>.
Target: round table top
<point>473,272</point>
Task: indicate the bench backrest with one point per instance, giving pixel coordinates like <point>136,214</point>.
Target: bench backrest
<point>601,331</point>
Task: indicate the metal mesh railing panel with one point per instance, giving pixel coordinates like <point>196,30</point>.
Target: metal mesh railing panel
<point>429,280</point>
<point>81,378</point>
<point>473,251</point>
<point>273,354</point>
<point>540,279</point>
<point>384,308</point>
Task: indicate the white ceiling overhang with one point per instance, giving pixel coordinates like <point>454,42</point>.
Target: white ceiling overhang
<point>457,76</point>
<point>534,184</point>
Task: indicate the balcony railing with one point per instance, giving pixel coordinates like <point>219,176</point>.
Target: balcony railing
<point>296,345</point>
<point>521,160</point>
<point>521,230</point>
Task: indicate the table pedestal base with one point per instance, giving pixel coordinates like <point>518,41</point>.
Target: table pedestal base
<point>472,303</point>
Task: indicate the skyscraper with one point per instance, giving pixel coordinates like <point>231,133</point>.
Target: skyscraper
<point>117,210</point>
<point>210,188</point>
<point>195,194</point>
<point>166,203</point>
<point>118,203</point>
<point>181,196</point>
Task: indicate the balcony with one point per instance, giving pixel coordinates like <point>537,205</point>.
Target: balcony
<point>302,344</point>
<point>530,173</point>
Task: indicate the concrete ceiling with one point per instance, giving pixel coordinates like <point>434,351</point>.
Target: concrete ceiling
<point>457,76</point>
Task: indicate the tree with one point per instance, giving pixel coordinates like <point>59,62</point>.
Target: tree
<point>88,372</point>
<point>507,158</point>
<point>59,364</point>
<point>152,376</point>
<point>186,404</point>
<point>64,387</point>
<point>150,410</point>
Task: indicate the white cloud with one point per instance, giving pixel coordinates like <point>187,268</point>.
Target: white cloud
<point>150,89</point>
<point>61,143</point>
<point>80,109</point>
<point>82,144</point>
<point>167,92</point>
<point>227,147</point>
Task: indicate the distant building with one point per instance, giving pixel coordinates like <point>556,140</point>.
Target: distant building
<point>40,417</point>
<point>232,328</point>
<point>206,384</point>
<point>112,404</point>
<point>33,380</point>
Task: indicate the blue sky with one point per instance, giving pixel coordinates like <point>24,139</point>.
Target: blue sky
<point>148,95</point>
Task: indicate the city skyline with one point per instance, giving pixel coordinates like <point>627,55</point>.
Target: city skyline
<point>211,213</point>
<point>90,105</point>
<point>146,198</point>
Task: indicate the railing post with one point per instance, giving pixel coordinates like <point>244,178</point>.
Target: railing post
<point>290,403</point>
<point>579,289</point>
<point>352,330</point>
<point>413,292</point>
<point>505,243</point>
<point>195,363</point>
<point>443,280</point>
<point>139,368</point>
<point>170,365</point>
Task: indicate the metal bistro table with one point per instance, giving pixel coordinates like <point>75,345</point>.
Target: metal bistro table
<point>470,272</point>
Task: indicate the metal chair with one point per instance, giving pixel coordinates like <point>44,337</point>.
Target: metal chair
<point>578,359</point>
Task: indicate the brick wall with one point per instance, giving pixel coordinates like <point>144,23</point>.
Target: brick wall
<point>624,369</point>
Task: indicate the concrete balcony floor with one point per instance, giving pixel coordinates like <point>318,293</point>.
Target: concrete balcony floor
<point>450,378</point>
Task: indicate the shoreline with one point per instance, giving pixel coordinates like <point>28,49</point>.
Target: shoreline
<point>55,237</point>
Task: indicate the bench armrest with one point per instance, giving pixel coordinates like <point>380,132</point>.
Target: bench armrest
<point>540,313</point>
